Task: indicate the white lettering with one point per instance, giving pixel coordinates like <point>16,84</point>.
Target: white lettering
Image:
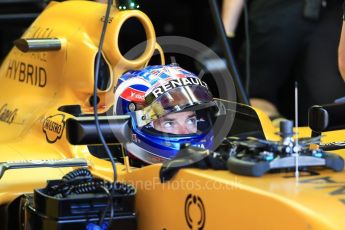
<point>157,92</point>
<point>186,81</point>
<point>166,86</point>
<point>176,83</point>
<point>202,146</point>
<point>195,81</point>
<point>138,96</point>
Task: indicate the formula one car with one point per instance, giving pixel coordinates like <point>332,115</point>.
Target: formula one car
<point>53,177</point>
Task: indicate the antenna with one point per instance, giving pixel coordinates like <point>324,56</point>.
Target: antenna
<point>296,148</point>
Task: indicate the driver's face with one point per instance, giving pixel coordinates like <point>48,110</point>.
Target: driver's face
<point>177,123</point>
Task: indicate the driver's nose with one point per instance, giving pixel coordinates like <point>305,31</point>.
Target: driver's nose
<point>181,129</point>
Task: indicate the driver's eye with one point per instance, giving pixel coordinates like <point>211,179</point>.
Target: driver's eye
<point>191,121</point>
<point>168,124</point>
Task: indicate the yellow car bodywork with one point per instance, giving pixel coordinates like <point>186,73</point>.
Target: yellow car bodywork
<point>34,85</point>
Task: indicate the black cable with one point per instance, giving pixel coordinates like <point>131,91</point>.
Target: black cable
<point>241,94</point>
<point>82,172</point>
<point>66,188</point>
<point>247,38</point>
<point>110,201</point>
<point>99,132</point>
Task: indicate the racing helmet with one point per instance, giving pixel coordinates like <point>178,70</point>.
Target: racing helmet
<point>154,97</point>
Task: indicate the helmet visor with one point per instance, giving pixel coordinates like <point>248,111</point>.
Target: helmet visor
<point>172,101</point>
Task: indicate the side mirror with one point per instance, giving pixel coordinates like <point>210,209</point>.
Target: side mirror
<point>83,131</point>
<point>326,117</point>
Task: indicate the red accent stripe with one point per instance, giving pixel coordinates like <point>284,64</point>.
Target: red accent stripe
<point>133,95</point>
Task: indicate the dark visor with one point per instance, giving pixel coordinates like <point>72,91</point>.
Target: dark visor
<point>174,100</point>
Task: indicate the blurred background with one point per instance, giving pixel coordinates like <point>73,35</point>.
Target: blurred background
<point>191,19</point>
<point>314,63</point>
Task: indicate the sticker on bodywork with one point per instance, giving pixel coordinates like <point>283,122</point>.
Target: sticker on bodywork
<point>53,127</point>
<point>194,220</point>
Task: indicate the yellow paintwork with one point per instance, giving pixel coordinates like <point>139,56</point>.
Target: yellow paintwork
<point>35,85</point>
<point>274,201</point>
